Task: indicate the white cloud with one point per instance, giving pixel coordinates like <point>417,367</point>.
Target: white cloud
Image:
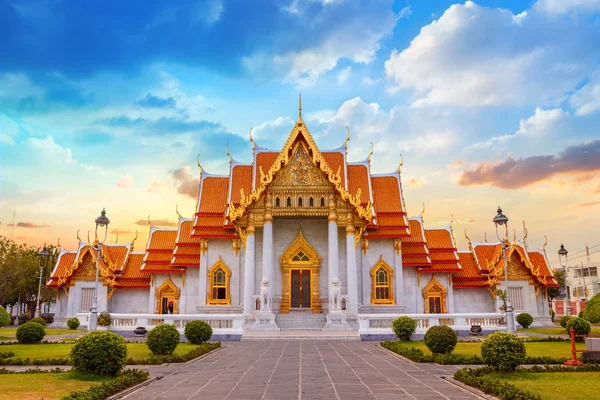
<point>587,99</point>
<point>370,81</point>
<point>125,182</point>
<point>18,85</point>
<point>344,75</point>
<point>270,129</point>
<point>567,6</point>
<point>48,148</point>
<point>479,56</point>
<point>540,123</point>
<point>9,130</point>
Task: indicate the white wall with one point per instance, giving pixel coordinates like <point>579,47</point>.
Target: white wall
<point>74,302</point>
<point>129,301</point>
<point>473,300</point>
<point>224,249</point>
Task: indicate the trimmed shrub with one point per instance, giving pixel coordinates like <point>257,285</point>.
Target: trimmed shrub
<point>404,327</point>
<point>524,320</point>
<point>580,326</point>
<point>592,310</point>
<point>552,315</point>
<point>104,319</point>
<point>503,351</point>
<point>48,317</point>
<point>99,353</point>
<point>163,339</point>
<point>107,388</point>
<point>440,339</point>
<point>4,317</point>
<point>73,323</point>
<point>30,332</point>
<point>39,320</point>
<point>197,332</point>
<point>564,320</point>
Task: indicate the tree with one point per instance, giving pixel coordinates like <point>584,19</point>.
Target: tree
<point>555,292</point>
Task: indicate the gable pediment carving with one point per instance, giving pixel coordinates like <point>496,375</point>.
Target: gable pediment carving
<point>300,172</point>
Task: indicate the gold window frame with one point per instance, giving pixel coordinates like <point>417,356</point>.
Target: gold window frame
<point>435,289</point>
<point>381,264</point>
<point>216,266</point>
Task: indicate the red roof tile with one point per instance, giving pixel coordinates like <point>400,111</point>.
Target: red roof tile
<point>358,177</point>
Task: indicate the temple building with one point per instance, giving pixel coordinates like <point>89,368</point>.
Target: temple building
<point>302,233</point>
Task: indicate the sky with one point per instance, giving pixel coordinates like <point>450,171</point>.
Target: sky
<point>108,104</point>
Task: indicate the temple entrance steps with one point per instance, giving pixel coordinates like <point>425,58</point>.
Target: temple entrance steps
<point>301,336</point>
<point>300,321</point>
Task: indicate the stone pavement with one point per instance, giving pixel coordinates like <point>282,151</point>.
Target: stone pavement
<point>301,370</point>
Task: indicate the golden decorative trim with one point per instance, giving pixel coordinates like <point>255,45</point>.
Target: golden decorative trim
<point>365,245</point>
<point>381,264</point>
<point>350,229</point>
<point>358,235</point>
<point>496,268</point>
<point>435,289</point>
<point>283,158</point>
<point>111,291</point>
<point>170,290</point>
<point>236,246</point>
<point>418,279</point>
<point>210,299</point>
<point>203,246</point>
<point>300,244</point>
<point>66,291</point>
<point>398,246</point>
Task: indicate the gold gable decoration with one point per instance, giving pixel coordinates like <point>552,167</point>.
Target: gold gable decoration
<point>299,172</point>
<point>108,280</point>
<point>283,159</point>
<point>497,268</point>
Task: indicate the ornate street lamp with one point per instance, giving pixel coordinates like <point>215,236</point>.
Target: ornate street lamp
<point>501,220</point>
<point>101,222</point>
<point>42,262</point>
<point>563,253</point>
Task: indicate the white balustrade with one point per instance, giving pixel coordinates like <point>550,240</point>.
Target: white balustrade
<point>220,323</point>
<point>378,324</point>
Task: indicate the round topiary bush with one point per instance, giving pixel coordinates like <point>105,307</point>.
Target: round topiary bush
<point>404,327</point>
<point>580,326</point>
<point>39,320</point>
<point>197,332</point>
<point>524,320</point>
<point>163,339</point>
<point>73,323</point>
<point>503,351</point>
<point>99,353</point>
<point>592,310</point>
<point>31,332</point>
<point>440,339</point>
<point>4,317</point>
<point>564,320</point>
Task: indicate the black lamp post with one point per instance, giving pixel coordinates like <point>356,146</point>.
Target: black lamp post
<point>42,262</point>
<point>563,253</point>
<point>501,220</point>
<point>101,222</point>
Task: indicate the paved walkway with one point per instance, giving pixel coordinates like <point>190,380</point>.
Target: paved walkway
<point>301,370</point>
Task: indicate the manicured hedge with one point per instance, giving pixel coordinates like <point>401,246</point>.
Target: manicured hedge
<point>524,320</point>
<point>190,355</point>
<point>4,371</point>
<point>99,353</point>
<point>4,317</point>
<point>103,391</point>
<point>404,327</point>
<point>163,339</point>
<point>592,310</point>
<point>503,351</point>
<point>73,323</point>
<point>197,332</point>
<point>440,339</point>
<point>30,333</point>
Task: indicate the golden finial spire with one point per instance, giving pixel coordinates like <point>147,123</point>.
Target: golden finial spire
<point>423,212</point>
<point>89,237</point>
<point>515,236</point>
<point>58,245</point>
<point>451,219</point>
<point>525,232</point>
<point>227,152</point>
<point>199,166</point>
<point>78,238</point>
<point>545,243</point>
<point>134,239</point>
<point>401,163</point>
<point>149,223</point>
<point>252,140</point>
<point>347,139</point>
<point>485,237</point>
<point>117,239</point>
<point>177,210</point>
<point>300,106</point>
<point>370,153</point>
<point>466,237</point>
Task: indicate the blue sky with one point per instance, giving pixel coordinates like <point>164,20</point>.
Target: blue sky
<point>109,103</point>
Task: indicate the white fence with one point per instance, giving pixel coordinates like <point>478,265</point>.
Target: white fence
<point>221,324</point>
<point>381,324</point>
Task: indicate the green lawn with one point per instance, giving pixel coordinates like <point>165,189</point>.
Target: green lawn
<point>11,333</point>
<point>42,351</point>
<point>43,386</point>
<point>534,349</point>
<point>558,331</point>
<point>556,385</point>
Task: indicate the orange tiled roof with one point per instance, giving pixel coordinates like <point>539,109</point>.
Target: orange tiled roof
<point>264,159</point>
<point>65,260</point>
<point>358,177</point>
<point>159,251</point>
<point>162,240</point>
<point>414,248</point>
<point>386,196</point>
<point>439,239</point>
<point>186,256</point>
<point>539,261</point>
<point>335,160</point>
<point>241,178</point>
<point>469,275</point>
<point>442,251</point>
<point>214,195</point>
<point>485,253</point>
<point>133,268</point>
<point>116,255</point>
<point>133,284</point>
<point>185,232</point>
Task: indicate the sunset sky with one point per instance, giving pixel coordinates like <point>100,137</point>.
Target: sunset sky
<point>108,104</point>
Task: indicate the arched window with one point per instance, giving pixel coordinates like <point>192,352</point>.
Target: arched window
<point>435,295</point>
<point>288,202</point>
<point>219,276</point>
<point>322,201</point>
<point>277,202</point>
<point>311,202</point>
<point>382,291</point>
<point>299,201</point>
<point>300,257</point>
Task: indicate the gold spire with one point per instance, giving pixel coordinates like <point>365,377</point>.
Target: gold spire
<point>401,163</point>
<point>370,153</point>
<point>227,152</point>
<point>177,210</point>
<point>149,223</point>
<point>451,218</point>
<point>347,139</point>
<point>485,237</point>
<point>199,166</point>
<point>252,141</point>
<point>423,212</point>
<point>117,239</point>
<point>78,238</point>
<point>300,106</point>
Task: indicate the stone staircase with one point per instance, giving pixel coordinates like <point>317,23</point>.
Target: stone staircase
<point>300,321</point>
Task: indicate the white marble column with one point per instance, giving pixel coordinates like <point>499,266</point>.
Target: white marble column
<point>268,251</point>
<point>366,276</point>
<point>249,270</point>
<point>450,295</point>
<point>203,273</point>
<point>152,294</point>
<point>398,272</point>
<point>351,270</point>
